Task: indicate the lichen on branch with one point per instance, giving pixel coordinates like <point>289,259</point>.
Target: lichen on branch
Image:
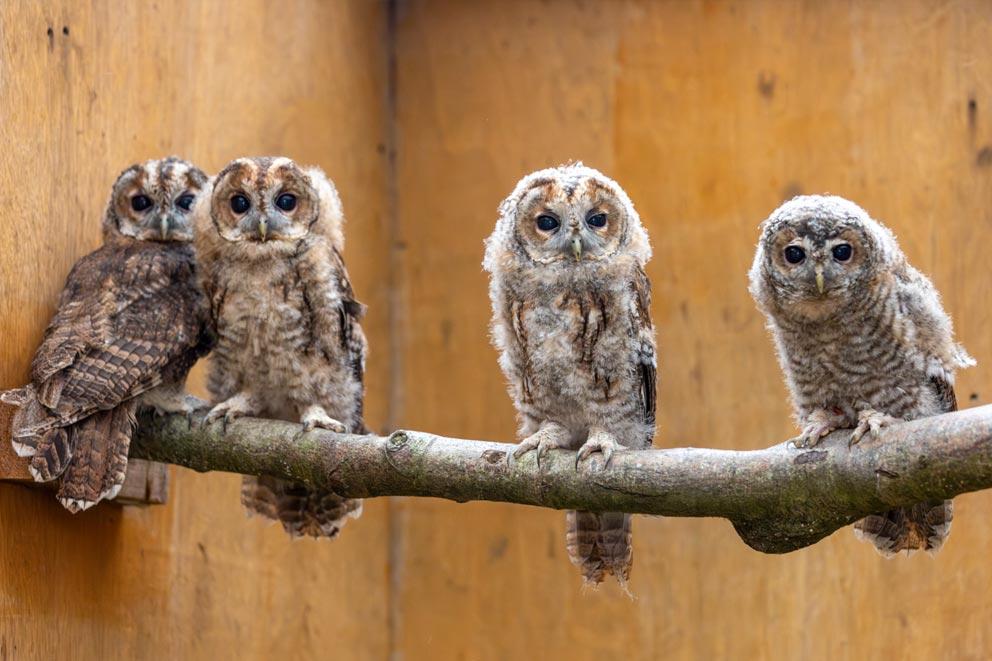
<point>779,499</point>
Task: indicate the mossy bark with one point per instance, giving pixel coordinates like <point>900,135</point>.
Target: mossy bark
<point>779,499</point>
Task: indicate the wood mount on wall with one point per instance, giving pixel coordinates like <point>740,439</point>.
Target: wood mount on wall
<point>779,499</point>
<point>146,483</point>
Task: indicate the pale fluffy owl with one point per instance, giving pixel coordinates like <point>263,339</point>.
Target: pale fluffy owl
<point>861,336</point>
<point>571,321</point>
<point>289,345</point>
<point>130,323</point>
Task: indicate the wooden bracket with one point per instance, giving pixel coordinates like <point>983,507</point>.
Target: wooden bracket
<point>146,483</point>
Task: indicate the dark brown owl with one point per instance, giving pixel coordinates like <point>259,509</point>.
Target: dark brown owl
<point>131,321</point>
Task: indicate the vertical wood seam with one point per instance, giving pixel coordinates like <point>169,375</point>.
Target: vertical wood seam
<point>394,312</point>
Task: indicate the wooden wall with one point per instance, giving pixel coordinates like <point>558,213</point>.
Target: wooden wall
<point>709,113</point>
<point>85,90</point>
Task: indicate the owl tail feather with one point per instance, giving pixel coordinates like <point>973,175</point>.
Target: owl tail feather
<point>301,510</point>
<point>600,544</point>
<point>37,432</point>
<point>99,462</point>
<point>924,526</point>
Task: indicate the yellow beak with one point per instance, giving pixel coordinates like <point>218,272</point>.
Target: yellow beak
<point>577,247</point>
<point>164,227</point>
<point>263,228</point>
<point>819,279</point>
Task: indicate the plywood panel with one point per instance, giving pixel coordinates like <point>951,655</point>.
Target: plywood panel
<point>710,114</point>
<point>85,90</point>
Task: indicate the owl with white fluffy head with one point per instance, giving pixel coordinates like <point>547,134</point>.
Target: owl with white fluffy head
<point>861,336</point>
<point>571,320</point>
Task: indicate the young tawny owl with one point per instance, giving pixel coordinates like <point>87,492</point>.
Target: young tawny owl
<point>571,321</point>
<point>289,345</point>
<point>130,323</point>
<point>861,336</point>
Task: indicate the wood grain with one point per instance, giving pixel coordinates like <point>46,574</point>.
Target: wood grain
<point>709,114</point>
<point>85,90</point>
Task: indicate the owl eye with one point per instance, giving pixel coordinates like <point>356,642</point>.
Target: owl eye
<point>598,220</point>
<point>286,201</point>
<point>842,252</point>
<point>184,202</point>
<point>140,202</point>
<point>547,223</point>
<point>794,254</point>
<point>240,204</point>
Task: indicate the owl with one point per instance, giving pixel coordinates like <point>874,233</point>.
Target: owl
<point>862,339</point>
<point>130,323</point>
<point>571,321</point>
<point>289,343</point>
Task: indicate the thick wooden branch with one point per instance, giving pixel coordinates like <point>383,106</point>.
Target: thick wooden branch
<point>779,499</point>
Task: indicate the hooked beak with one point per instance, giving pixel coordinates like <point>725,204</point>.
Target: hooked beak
<point>577,247</point>
<point>263,229</point>
<point>819,279</point>
<point>164,227</point>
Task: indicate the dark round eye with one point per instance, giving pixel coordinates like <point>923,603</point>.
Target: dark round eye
<point>140,202</point>
<point>286,201</point>
<point>794,254</point>
<point>599,220</point>
<point>547,223</point>
<point>842,252</point>
<point>184,202</point>
<point>240,204</point>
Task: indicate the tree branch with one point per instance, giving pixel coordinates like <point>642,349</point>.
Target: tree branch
<point>779,499</point>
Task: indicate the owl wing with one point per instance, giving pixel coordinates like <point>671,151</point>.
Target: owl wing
<point>646,357</point>
<point>944,390</point>
<point>924,525</point>
<point>934,334</point>
<point>123,316</point>
<point>340,325</point>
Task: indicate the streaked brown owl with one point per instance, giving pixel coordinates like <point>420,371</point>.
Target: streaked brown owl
<point>862,338</point>
<point>131,321</point>
<point>571,321</point>
<point>289,344</point>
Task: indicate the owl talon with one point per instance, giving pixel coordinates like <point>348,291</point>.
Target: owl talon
<point>819,423</point>
<point>549,437</point>
<point>522,448</point>
<point>171,399</point>
<point>544,448</point>
<point>870,422</point>
<point>315,416</point>
<point>234,407</point>
<point>598,441</point>
<point>811,436</point>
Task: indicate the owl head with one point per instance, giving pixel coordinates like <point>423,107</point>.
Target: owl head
<point>152,201</point>
<point>569,217</point>
<point>818,253</point>
<point>267,205</point>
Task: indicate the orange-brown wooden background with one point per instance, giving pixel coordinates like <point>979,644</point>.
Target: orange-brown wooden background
<point>709,114</point>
